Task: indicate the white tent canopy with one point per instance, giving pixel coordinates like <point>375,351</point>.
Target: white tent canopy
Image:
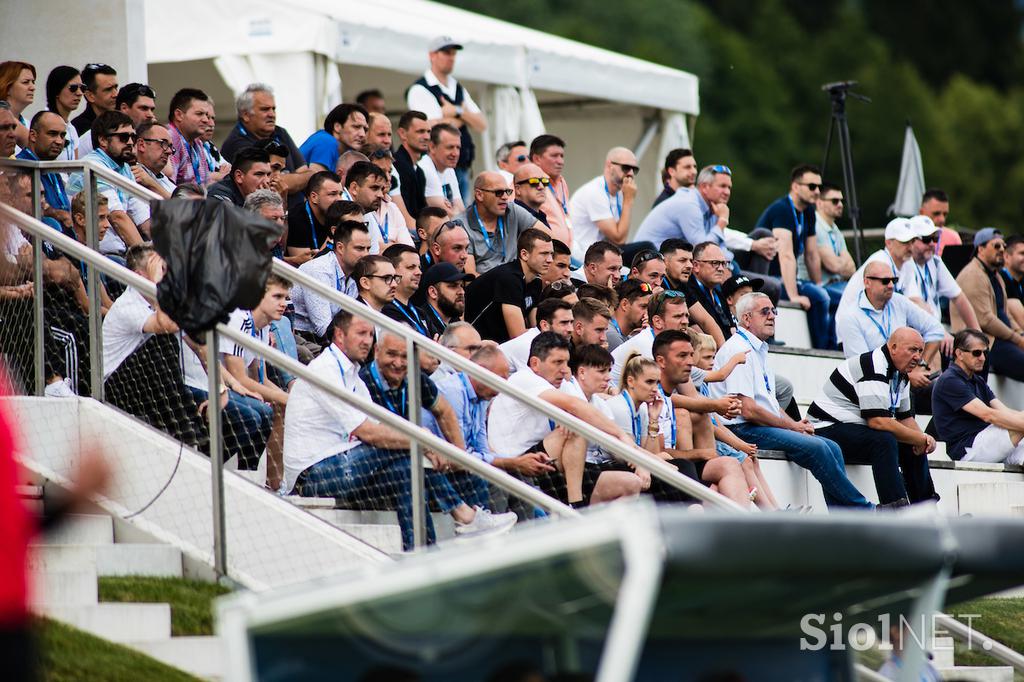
<point>524,79</point>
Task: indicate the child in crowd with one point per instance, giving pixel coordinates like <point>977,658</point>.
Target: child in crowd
<point>726,442</point>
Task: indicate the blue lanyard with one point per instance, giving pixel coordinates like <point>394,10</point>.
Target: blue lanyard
<point>798,224</point>
<point>384,231</point>
<point>764,368</point>
<point>712,294</point>
<point>312,225</point>
<point>409,312</point>
<point>384,392</point>
<point>836,245</point>
<point>618,201</point>
<point>255,335</point>
<point>615,323</point>
<point>193,159</point>
<point>894,394</point>
<point>634,417</point>
<point>338,279</point>
<point>341,368</point>
<point>500,230</point>
<point>886,319</point>
<point>436,315</point>
<point>671,417</point>
<point>895,271</point>
<point>1013,280</point>
<point>562,201</point>
<point>924,275</point>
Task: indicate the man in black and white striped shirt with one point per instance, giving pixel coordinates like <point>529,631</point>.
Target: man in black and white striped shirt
<point>865,408</point>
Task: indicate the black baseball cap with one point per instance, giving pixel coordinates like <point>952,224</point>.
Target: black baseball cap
<point>737,282</point>
<point>444,272</point>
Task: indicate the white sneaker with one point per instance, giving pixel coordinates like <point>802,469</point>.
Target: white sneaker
<point>59,389</point>
<point>486,523</point>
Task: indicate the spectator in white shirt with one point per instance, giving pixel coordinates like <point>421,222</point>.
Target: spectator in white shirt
<point>152,151</point>
<point>666,310</point>
<point>333,449</point>
<point>553,315</point>
<point>438,166</point>
<point>390,218</point>
<point>602,208</point>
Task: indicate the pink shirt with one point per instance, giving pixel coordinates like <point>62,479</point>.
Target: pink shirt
<point>947,237</point>
<point>186,159</point>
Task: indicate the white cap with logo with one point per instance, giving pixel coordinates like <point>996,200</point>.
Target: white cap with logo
<point>443,43</point>
<point>901,230</point>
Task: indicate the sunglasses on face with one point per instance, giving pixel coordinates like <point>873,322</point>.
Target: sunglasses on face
<point>886,281</point>
<point>521,158</point>
<point>835,200</point>
<point>76,88</point>
<point>500,193</point>
<point>626,168</point>
<point>768,311</point>
<point>125,138</point>
<point>535,182</point>
<point>813,186</point>
<point>164,144</point>
<point>929,239</point>
<point>562,285</point>
<point>977,352</point>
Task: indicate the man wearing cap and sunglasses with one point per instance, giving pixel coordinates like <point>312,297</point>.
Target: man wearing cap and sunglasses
<point>984,287</point>
<point>494,223</point>
<point>924,278</point>
<point>975,425</point>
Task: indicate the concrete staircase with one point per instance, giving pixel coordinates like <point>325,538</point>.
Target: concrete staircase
<point>66,565</point>
<point>943,660</point>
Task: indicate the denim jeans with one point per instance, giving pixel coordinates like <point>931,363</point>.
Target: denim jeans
<point>366,472</point>
<point>818,317</point>
<point>898,472</point>
<point>835,293</point>
<point>247,424</point>
<point>1007,360</point>
<point>820,456</point>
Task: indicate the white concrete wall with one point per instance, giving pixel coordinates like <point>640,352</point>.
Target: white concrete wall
<point>49,33</point>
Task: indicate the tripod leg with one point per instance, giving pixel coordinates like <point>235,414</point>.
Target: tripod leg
<point>846,154</point>
<point>828,145</point>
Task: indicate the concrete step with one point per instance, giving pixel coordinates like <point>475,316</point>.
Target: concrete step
<point>791,327</point>
<point>118,622</point>
<point>109,560</point>
<point>444,527</point>
<point>201,656</point>
<point>385,537</point>
<point>67,588</point>
<point>82,529</point>
<point>990,499</point>
<point>977,673</point>
<point>942,652</point>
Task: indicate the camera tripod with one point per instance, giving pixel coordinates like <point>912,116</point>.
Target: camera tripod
<point>839,91</point>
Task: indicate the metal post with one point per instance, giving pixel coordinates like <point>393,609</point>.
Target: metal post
<point>419,525</point>
<point>220,555</point>
<point>93,287</point>
<point>39,363</point>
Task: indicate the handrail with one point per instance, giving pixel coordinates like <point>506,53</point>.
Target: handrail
<point>108,175</point>
<point>991,647</point>
<point>630,453</point>
<point>145,287</point>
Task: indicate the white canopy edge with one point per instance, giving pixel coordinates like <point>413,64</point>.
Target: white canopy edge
<point>394,34</point>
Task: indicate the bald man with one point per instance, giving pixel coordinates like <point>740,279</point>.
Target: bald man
<point>494,222</point>
<point>865,408</point>
<point>531,184</point>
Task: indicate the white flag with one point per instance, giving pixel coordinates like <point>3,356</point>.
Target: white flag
<point>911,184</point>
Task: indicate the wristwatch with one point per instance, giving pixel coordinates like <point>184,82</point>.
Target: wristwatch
<point>653,430</point>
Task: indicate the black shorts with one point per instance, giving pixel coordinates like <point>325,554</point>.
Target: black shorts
<point>552,483</point>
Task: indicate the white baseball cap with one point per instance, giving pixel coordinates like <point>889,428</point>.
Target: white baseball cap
<point>443,43</point>
<point>923,226</point>
<point>900,230</point>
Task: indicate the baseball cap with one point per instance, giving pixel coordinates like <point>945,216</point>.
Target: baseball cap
<point>985,235</point>
<point>923,226</point>
<point>442,43</point>
<point>901,230</point>
<point>737,282</point>
<point>444,272</point>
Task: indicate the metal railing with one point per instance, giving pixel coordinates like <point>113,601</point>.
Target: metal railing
<point>418,436</point>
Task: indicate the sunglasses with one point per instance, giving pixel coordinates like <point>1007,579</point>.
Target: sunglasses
<point>929,239</point>
<point>141,88</point>
<point>977,352</point>
<point>886,281</point>
<point>451,224</point>
<point>381,154</point>
<point>125,138</point>
<point>164,144</point>
<point>645,256</point>
<point>813,186</point>
<point>645,288</point>
<point>521,158</point>
<point>658,302</point>
<point>387,279</point>
<point>562,285</point>
<point>719,168</point>
<point>716,264</point>
<point>627,167</point>
<point>535,182</point>
<point>768,310</point>
<point>500,193</point>
<point>835,201</point>
<point>95,66</point>
<point>76,88</point>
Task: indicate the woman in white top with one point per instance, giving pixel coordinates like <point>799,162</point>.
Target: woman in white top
<point>64,92</point>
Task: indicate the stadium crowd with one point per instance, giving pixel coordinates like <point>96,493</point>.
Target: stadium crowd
<point>661,342</point>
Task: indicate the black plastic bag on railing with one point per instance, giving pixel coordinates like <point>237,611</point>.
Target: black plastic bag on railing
<point>218,258</point>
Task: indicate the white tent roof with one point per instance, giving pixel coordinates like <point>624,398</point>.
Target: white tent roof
<point>393,34</point>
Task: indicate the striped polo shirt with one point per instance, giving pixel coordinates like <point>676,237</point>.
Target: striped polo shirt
<point>864,386</point>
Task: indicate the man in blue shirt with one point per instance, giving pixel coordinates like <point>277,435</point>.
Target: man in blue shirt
<point>791,219</point>
<point>345,129</point>
<point>47,137</point>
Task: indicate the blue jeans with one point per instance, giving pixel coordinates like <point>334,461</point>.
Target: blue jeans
<point>818,317</point>
<point>247,424</point>
<point>369,473</point>
<point>835,293</point>
<point>820,456</point>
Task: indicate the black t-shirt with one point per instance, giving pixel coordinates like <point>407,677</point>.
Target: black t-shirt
<point>303,228</point>
<point>712,301</point>
<point>414,182</point>
<point>665,194</point>
<point>505,284</point>
<point>239,139</point>
<point>409,314</point>
<point>1014,289</point>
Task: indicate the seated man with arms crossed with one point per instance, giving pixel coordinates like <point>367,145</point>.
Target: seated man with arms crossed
<point>334,449</point>
<point>516,428</point>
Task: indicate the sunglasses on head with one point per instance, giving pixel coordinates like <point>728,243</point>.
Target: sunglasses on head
<point>886,281</point>
<point>658,302</point>
<point>141,88</point>
<point>381,154</point>
<point>645,256</point>
<point>451,224</point>
<point>627,167</point>
<point>534,182</point>
<point>719,168</point>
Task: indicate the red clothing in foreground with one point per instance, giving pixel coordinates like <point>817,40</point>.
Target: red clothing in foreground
<point>16,530</point>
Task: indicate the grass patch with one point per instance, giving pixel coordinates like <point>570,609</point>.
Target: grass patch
<point>70,655</point>
<point>190,600</point>
<point>1000,619</point>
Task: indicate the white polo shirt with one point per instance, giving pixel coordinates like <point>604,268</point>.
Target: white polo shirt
<point>754,378</point>
<point>928,282</point>
<point>642,342</point>
<point>588,205</point>
<point>512,426</point>
<point>420,99</point>
<point>316,425</point>
<point>439,180</point>
<point>122,329</point>
<point>517,350</point>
